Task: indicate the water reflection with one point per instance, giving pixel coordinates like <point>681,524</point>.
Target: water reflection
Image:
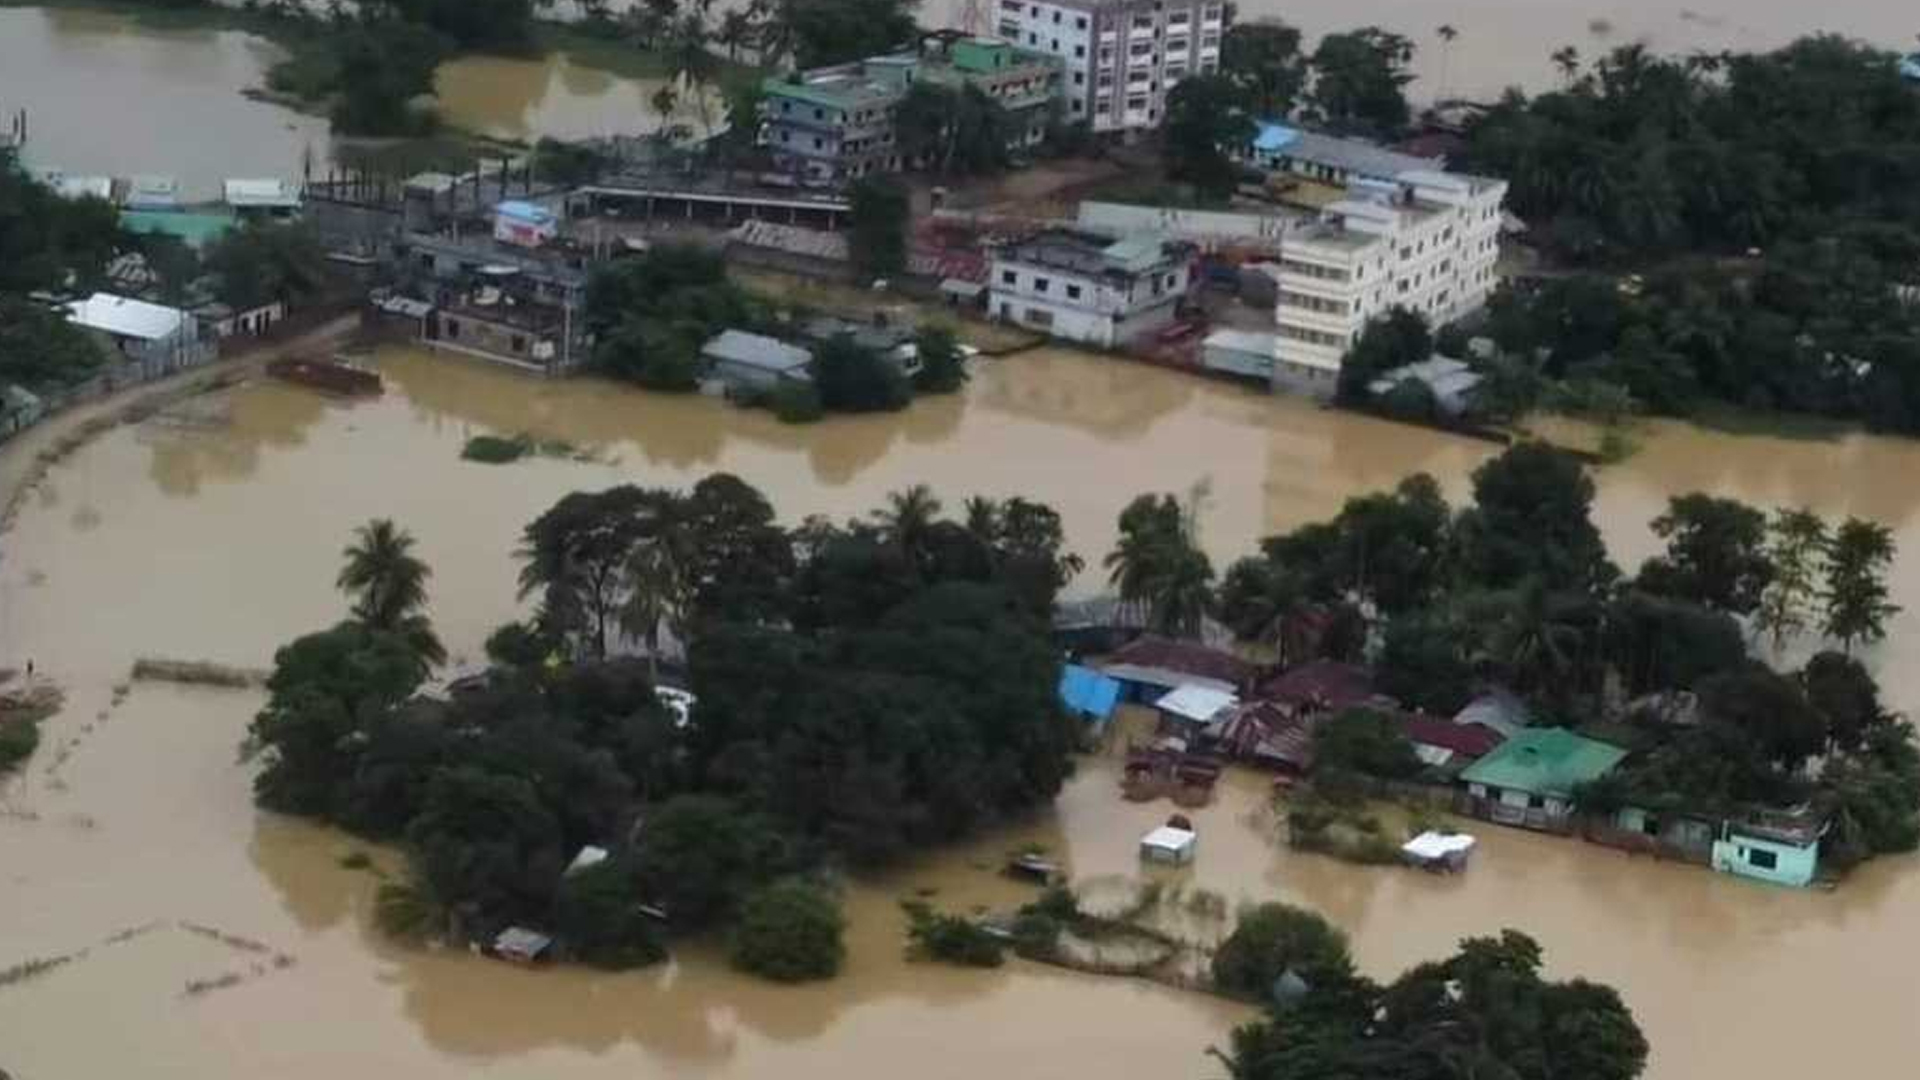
<point>519,98</point>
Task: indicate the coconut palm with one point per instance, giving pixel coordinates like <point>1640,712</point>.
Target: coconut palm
<point>664,101</point>
<point>1447,33</point>
<point>1538,638</point>
<point>983,518</point>
<point>908,514</point>
<point>1567,59</point>
<point>692,62</point>
<point>656,595</point>
<point>388,584</point>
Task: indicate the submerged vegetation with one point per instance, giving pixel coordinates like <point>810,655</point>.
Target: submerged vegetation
<point>1517,590</point>
<point>840,718</point>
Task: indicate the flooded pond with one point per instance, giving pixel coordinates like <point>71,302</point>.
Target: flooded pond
<point>1504,43</point>
<point>215,533</point>
<point>107,96</point>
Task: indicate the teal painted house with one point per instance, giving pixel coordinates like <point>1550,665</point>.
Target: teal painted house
<point>1529,780</point>
<point>1782,849</point>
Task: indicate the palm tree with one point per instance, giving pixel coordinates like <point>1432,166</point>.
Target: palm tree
<point>908,514</point>
<point>388,584</point>
<point>736,30</point>
<point>656,595</point>
<point>1567,59</point>
<point>1180,593</point>
<point>983,518</point>
<point>1537,638</point>
<point>664,101</point>
<point>692,62</point>
<point>1447,34</point>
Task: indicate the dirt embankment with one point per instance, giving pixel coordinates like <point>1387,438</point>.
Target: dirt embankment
<point>26,459</point>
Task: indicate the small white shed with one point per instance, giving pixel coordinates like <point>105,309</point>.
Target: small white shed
<point>1168,845</point>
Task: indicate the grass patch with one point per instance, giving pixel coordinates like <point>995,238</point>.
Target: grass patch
<point>613,55</point>
<point>18,740</point>
<point>495,450</point>
<point>1736,420</point>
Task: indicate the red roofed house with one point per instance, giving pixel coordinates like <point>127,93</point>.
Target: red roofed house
<point>1443,744</point>
<point>1148,667</point>
<point>1322,686</point>
<point>1268,734</point>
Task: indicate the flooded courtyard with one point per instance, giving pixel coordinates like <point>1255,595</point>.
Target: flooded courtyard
<point>214,532</point>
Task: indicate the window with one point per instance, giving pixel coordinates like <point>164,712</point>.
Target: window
<point>1179,18</point>
<point>786,136</point>
<point>818,142</point>
<point>1076,105</point>
<point>1056,44</point>
<point>1073,292</point>
<point>1039,316</point>
<point>1013,6</point>
<point>1176,71</point>
<point>1033,39</point>
<point>1406,252</point>
<point>1079,52</point>
<point>452,327</point>
<point>1079,78</point>
<point>1136,102</point>
<point>1102,108</point>
<point>1140,48</point>
<point>1210,40</point>
<point>1056,18</point>
<point>1106,54</point>
<point>1211,12</point>
<point>1006,310</point>
<point>518,343</point>
<point>1650,825</point>
<point>819,114</point>
<point>1010,30</point>
<point>1763,860</point>
<point>1041,284</point>
<point>1536,802</point>
<point>1323,273</point>
<point>1143,22</point>
<point>1009,277</point>
<point>1080,23</point>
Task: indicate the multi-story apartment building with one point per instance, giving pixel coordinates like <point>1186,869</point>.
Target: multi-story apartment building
<point>1426,241</point>
<point>1089,287</point>
<point>835,124</point>
<point>1121,56</point>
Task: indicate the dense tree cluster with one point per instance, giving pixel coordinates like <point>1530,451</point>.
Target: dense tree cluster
<point>1516,590</point>
<point>1823,327</point>
<point>651,313</point>
<point>48,243</point>
<point>1485,1011</point>
<point>1648,155</point>
<point>953,131</point>
<point>862,689</point>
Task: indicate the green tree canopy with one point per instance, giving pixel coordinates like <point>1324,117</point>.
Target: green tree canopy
<point>790,931</point>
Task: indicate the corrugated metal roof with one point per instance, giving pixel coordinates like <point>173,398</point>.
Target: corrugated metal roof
<point>1544,761</point>
<point>266,193</point>
<point>757,351</point>
<point>1352,156</point>
<point>125,317</point>
<point>521,210</point>
<point>1197,702</point>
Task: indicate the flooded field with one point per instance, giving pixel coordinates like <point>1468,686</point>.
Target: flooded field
<point>1504,43</point>
<point>214,532</point>
<point>107,96</point>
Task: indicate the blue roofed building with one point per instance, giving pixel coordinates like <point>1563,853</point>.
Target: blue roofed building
<point>1089,695</point>
<point>1337,162</point>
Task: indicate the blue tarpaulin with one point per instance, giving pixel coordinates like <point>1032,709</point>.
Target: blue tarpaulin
<point>1088,694</point>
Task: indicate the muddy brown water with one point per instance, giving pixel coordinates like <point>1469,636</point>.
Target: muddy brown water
<point>108,96</point>
<point>215,532</point>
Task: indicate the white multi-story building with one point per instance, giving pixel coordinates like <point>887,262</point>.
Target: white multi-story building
<point>1088,287</point>
<point>1426,242</point>
<point>1121,56</point>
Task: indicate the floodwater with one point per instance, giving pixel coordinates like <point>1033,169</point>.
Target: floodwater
<point>214,532</point>
<point>108,96</point>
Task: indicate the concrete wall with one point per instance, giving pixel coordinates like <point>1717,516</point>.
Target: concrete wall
<point>1305,380</point>
<point>1750,856</point>
<point>1197,225</point>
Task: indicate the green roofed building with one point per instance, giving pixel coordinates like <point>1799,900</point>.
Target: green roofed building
<point>1529,780</point>
<point>197,229</point>
<point>831,125</point>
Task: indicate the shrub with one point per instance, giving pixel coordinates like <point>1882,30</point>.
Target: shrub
<point>790,931</point>
<point>18,740</point>
<point>356,860</point>
<point>950,938</point>
<point>494,450</point>
<point>597,914</point>
<point>1036,936</point>
<point>1271,939</point>
<point>796,403</point>
<point>408,912</point>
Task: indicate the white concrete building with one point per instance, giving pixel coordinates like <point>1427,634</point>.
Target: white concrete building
<point>1087,287</point>
<point>1426,242</point>
<point>1121,56</point>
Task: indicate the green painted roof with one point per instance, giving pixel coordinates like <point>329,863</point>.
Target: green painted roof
<point>196,229</point>
<point>1544,761</point>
